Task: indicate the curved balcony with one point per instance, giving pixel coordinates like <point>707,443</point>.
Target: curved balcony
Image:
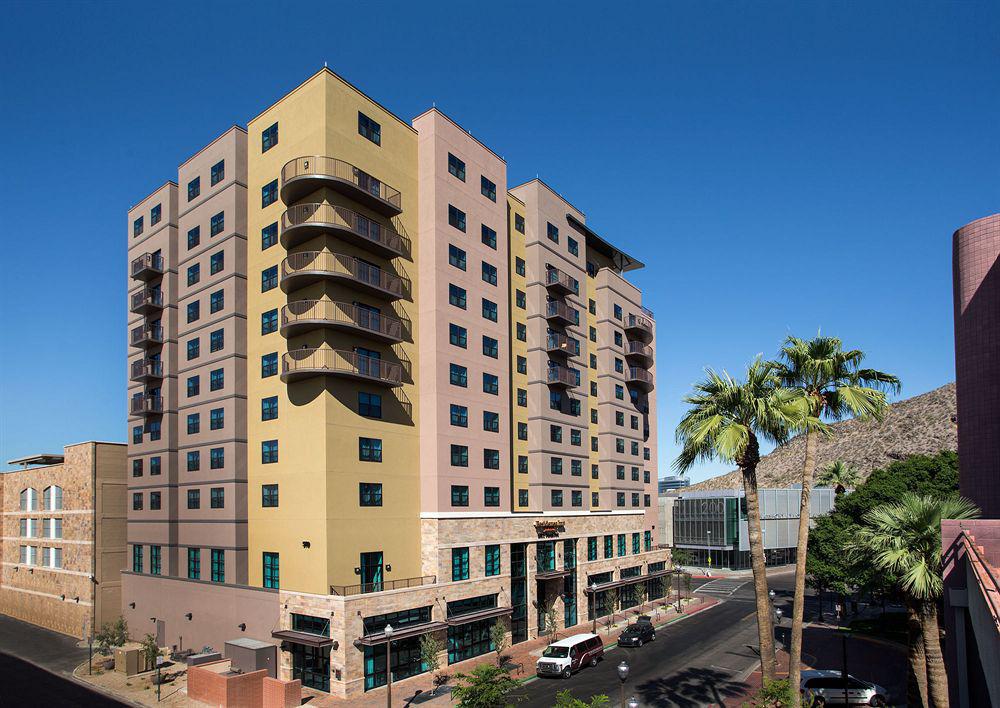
<point>306,363</point>
<point>561,312</point>
<point>556,343</point>
<point>148,266</point>
<point>306,315</point>
<point>146,370</point>
<point>558,281</point>
<point>559,375</point>
<point>147,336</point>
<point>302,222</point>
<point>639,352</point>
<point>146,300</point>
<point>304,175</point>
<point>301,269</point>
<point>639,327</point>
<point>145,404</point>
<point>639,378</point>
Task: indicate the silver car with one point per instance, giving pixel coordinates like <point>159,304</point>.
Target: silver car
<point>827,688</point>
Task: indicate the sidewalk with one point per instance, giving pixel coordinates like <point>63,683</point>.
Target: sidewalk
<point>524,654</point>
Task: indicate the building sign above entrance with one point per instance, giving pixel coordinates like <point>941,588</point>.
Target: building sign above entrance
<point>549,528</point>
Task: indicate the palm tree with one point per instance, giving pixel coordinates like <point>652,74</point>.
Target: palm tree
<point>832,385</point>
<point>840,475</point>
<point>905,539</point>
<point>726,420</point>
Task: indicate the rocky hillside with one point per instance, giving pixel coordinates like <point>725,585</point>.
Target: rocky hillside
<point>924,424</point>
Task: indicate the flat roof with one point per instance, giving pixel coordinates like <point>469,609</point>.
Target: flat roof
<point>41,459</point>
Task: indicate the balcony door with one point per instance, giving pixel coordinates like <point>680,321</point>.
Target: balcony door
<point>371,571</point>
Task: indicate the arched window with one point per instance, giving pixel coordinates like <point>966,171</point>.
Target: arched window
<point>52,498</point>
<point>29,499</point>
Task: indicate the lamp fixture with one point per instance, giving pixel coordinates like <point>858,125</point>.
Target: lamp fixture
<point>306,544</point>
<point>189,616</point>
<point>242,626</point>
<point>131,605</point>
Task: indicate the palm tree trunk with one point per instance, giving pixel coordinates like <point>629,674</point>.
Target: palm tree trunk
<point>798,604</point>
<point>765,631</point>
<point>937,679</point>
<point>916,684</point>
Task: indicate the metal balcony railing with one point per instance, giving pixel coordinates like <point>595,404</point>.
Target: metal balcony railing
<point>147,266</point>
<point>305,174</point>
<point>147,334</point>
<point>302,314</point>
<point>301,363</point>
<point>556,310</point>
<point>304,221</point>
<point>365,588</point>
<point>310,265</point>
<point>640,325</point>
<point>143,369</point>
<point>146,300</point>
<point>639,350</point>
<point>556,343</point>
<point>562,376</point>
<point>556,279</point>
<point>640,377</point>
<point>145,404</point>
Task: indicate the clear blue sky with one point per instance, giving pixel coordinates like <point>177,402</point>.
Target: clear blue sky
<point>780,167</point>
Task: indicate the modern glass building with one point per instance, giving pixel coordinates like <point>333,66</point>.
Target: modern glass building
<point>712,525</point>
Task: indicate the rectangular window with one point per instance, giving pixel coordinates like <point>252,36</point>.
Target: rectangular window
<point>489,238</point>
<point>491,459</point>
<point>557,497</point>
<point>459,564</point>
<point>194,237</point>
<point>136,559</point>
<point>459,495</point>
<point>269,495</point>
<point>519,224</point>
<point>459,416</point>
<point>492,554</point>
<point>460,455</point>
<point>491,347</point>
<point>269,279</point>
<point>269,452</point>
<point>154,501</point>
<point>491,496</point>
<point>577,496</point>
<point>217,497</point>
<point>369,449</point>
<point>458,375</point>
<point>217,225</point>
<point>269,408</point>
<point>194,423</point>
<point>153,428</point>
<point>193,461</point>
<point>619,392</point>
<point>595,499</point>
<point>555,433</point>
<point>576,468</point>
<point>456,218</point>
<point>370,494</point>
<point>369,404</point>
<point>456,167</point>
<point>522,497</point>
<point>609,547</point>
<point>522,464</point>
<point>621,544</point>
<point>575,437</point>
<point>618,312</point>
<point>458,336</point>
<point>218,172</point>
<point>522,332</point>
<point>193,274</point>
<point>217,380</point>
<point>456,256</point>
<point>137,227</point>
<point>137,468</point>
<point>556,465</point>
<point>489,310</point>
<point>489,273</point>
<point>194,499</point>
<point>194,188</point>
<point>269,322</point>
<point>620,498</point>
<point>368,128</point>
<point>217,340</point>
<point>268,138</point>
<point>522,397</point>
<point>522,431</point>
<point>155,564</point>
<point>216,301</point>
<point>217,458</point>
<point>552,231</point>
<point>573,246</point>
<point>268,236</point>
<point>269,193</point>
<point>635,543</point>
<point>193,386</point>
<point>456,296</point>
<point>193,349</point>
<point>491,384</point>
<point>137,501</point>
<point>647,540</point>
<point>269,365</point>
<point>271,576</point>
<point>193,311</point>
<point>520,299</point>
<point>491,422</point>
<point>217,262</point>
<point>218,565</point>
<point>487,189</point>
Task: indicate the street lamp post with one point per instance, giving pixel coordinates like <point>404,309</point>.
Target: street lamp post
<point>593,606</point>
<point>622,677</point>
<point>633,702</point>
<point>388,665</point>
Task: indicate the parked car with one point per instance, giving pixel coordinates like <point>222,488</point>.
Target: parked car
<point>826,687</point>
<point>635,635</point>
<point>564,657</point>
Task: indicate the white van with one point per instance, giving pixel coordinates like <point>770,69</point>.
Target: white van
<point>564,657</point>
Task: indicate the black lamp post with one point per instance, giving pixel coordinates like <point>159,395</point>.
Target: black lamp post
<point>622,678</point>
<point>593,607</point>
<point>388,665</point>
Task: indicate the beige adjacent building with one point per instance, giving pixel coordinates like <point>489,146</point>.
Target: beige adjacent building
<point>63,540</point>
<point>391,392</point>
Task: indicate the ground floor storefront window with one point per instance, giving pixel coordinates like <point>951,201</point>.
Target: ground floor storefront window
<point>470,639</point>
<point>597,603</point>
<point>311,665</point>
<point>405,662</point>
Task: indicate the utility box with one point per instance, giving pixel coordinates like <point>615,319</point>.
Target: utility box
<point>249,655</point>
<point>130,661</point>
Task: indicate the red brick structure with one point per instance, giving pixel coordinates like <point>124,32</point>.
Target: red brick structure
<point>977,360</point>
<point>216,684</point>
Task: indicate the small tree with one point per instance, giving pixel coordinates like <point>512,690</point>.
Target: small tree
<point>112,634</point>
<point>550,619</point>
<point>639,592</point>
<point>498,638</point>
<point>611,604</point>
<point>150,650</point>
<point>686,583</point>
<point>430,651</point>
<point>663,590</point>
<point>486,686</point>
<point>774,694</point>
<point>565,699</point>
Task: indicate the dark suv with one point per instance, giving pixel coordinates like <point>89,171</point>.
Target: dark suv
<point>635,635</point>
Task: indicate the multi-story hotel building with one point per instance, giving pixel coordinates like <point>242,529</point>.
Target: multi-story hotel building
<point>394,393</point>
<point>62,519</point>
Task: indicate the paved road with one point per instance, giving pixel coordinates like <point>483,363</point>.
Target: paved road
<point>35,665</point>
<point>694,662</point>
